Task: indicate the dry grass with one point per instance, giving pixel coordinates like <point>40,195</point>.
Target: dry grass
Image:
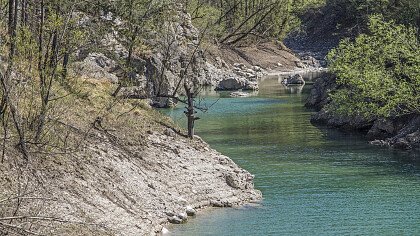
<point>83,113</point>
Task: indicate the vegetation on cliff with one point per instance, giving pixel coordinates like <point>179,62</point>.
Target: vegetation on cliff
<point>379,71</point>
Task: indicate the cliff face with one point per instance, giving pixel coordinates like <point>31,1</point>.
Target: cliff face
<point>150,73</point>
<point>401,132</point>
<point>179,45</point>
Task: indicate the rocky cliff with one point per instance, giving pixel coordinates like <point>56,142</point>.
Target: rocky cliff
<point>158,71</point>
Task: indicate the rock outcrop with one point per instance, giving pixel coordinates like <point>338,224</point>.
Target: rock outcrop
<point>400,133</point>
<point>251,74</point>
<point>318,97</point>
<point>156,74</point>
<point>97,66</point>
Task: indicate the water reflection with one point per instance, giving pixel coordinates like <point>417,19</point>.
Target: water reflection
<point>294,89</point>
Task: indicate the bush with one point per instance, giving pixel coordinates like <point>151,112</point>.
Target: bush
<point>379,71</point>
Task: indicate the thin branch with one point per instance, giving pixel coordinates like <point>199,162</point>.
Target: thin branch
<point>17,228</point>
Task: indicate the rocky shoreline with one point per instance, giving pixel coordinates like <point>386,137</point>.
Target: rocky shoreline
<point>118,187</point>
<point>177,177</point>
<point>401,132</point>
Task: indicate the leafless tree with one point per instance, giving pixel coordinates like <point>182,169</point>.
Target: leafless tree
<point>184,92</point>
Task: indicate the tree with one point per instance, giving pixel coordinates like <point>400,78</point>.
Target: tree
<point>379,71</point>
<point>248,21</point>
<point>184,90</point>
<point>357,12</point>
<point>38,54</point>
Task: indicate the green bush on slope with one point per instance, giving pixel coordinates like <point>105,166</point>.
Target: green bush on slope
<point>379,72</point>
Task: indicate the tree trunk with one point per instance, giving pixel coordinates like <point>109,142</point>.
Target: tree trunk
<point>10,20</point>
<point>66,59</point>
<point>190,112</point>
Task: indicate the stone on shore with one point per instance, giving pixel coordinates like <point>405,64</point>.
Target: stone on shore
<point>183,216</point>
<point>190,211</point>
<point>236,83</point>
<point>175,220</point>
<point>164,231</point>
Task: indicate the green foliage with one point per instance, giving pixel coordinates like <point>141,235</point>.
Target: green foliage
<point>358,11</point>
<point>207,17</point>
<point>248,20</point>
<point>379,71</point>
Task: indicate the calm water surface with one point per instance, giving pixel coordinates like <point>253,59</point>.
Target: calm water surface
<point>315,181</point>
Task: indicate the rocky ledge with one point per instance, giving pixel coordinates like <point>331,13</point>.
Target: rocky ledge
<point>402,132</point>
<point>137,191</point>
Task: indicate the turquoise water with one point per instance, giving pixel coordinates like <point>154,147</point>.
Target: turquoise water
<point>315,181</point>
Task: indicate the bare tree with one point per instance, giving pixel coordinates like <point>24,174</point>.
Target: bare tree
<point>184,91</point>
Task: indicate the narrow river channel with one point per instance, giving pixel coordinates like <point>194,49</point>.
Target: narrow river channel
<point>315,181</point>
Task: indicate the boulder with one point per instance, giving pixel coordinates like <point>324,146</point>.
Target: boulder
<point>257,69</point>
<point>230,84</point>
<point>175,220</point>
<point>183,216</point>
<point>165,231</point>
<point>382,129</point>
<point>190,211</point>
<point>239,65</point>
<point>250,71</point>
<point>299,64</point>
<point>250,85</point>
<point>296,79</point>
<point>239,180</point>
<point>311,61</point>
<point>414,138</point>
<point>236,83</point>
<point>221,203</point>
<point>169,132</point>
<point>402,143</point>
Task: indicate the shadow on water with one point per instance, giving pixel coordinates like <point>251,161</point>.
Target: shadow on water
<point>315,180</point>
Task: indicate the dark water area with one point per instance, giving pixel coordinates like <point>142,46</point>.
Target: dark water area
<point>315,180</point>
